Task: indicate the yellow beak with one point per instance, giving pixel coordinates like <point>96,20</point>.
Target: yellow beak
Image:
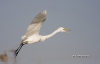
<point>67,30</point>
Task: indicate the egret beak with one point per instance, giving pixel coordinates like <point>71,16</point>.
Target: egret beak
<point>67,30</point>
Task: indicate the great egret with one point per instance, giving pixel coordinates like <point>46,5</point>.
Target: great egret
<point>32,33</point>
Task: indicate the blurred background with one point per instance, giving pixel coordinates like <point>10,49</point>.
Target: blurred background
<point>82,17</point>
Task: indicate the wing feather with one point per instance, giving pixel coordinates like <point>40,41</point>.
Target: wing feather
<point>35,25</point>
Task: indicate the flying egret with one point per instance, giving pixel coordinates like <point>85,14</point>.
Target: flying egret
<point>32,34</point>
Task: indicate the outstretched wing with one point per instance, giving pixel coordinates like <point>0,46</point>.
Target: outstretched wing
<point>36,24</point>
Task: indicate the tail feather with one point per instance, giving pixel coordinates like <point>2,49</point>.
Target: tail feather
<point>17,50</point>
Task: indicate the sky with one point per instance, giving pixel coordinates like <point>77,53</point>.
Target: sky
<point>82,17</point>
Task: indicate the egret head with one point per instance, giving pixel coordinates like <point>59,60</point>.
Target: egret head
<point>64,29</point>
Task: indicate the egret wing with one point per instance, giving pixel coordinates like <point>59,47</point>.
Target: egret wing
<point>36,24</point>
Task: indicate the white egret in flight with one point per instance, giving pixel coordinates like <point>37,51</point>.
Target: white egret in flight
<point>32,34</point>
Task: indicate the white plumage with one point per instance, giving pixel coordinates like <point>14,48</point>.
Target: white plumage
<point>32,34</point>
